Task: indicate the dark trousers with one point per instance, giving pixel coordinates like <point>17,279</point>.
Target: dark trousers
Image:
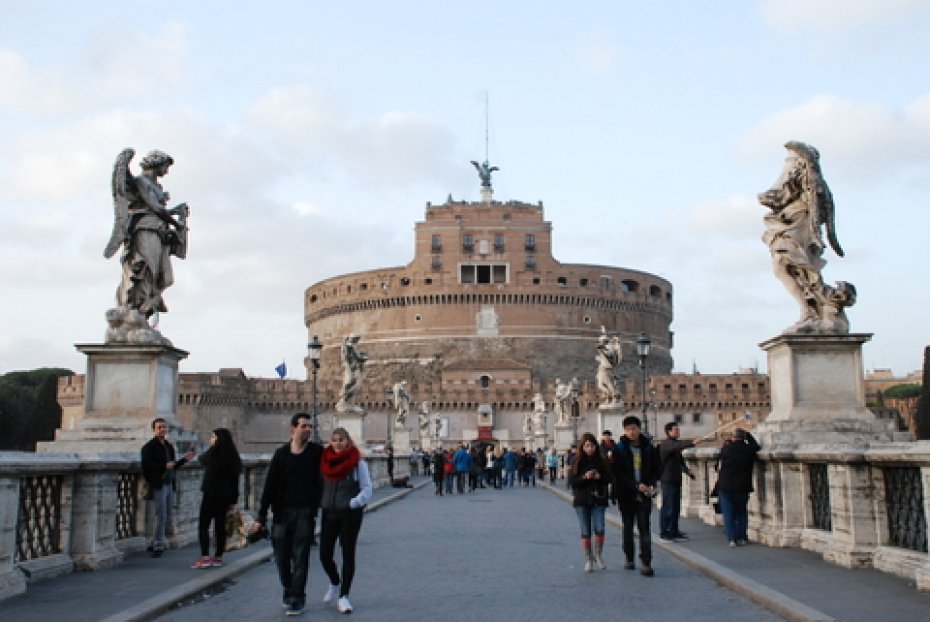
<point>212,510</point>
<point>671,509</point>
<point>291,537</point>
<point>345,527</point>
<point>636,512</point>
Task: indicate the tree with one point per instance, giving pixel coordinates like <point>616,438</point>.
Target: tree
<point>29,409</point>
<point>902,391</point>
<point>923,406</point>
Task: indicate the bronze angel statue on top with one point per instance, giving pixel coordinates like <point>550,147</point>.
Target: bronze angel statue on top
<point>147,230</point>
<point>802,205</point>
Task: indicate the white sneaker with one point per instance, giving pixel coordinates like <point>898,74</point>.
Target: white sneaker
<point>332,593</point>
<point>344,605</point>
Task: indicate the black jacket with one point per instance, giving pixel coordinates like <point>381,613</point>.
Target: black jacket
<point>273,494</point>
<point>672,463</point>
<point>736,461</point>
<point>590,492</point>
<point>155,457</point>
<point>220,477</point>
<point>625,482</point>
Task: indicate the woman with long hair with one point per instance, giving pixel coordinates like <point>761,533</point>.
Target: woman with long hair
<point>346,492</point>
<point>589,478</point>
<point>220,488</point>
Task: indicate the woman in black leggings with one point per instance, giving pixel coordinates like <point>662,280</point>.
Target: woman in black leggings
<point>346,492</point>
<point>220,488</point>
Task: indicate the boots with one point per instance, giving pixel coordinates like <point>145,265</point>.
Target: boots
<point>588,557</point>
<point>598,553</point>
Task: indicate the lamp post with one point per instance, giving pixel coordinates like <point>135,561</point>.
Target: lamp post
<point>642,349</point>
<point>313,351</point>
<point>389,395</point>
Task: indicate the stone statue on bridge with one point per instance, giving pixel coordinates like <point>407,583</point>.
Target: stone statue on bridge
<point>353,361</point>
<point>562,401</point>
<point>484,172</point>
<point>609,353</point>
<point>401,404</point>
<point>802,205</point>
<point>539,412</point>
<point>149,234</point>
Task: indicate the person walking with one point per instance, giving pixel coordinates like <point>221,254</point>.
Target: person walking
<point>734,483</point>
<point>673,466</point>
<point>439,470</point>
<point>292,490</point>
<point>222,466</point>
<point>635,468</point>
<point>589,480</point>
<point>346,492</point>
<point>159,468</point>
<point>462,461</point>
<point>552,462</point>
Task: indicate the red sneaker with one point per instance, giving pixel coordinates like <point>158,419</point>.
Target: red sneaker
<point>216,562</point>
<point>203,562</point>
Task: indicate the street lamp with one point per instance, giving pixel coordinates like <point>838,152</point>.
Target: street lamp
<point>313,352</point>
<point>642,349</point>
<point>389,396</point>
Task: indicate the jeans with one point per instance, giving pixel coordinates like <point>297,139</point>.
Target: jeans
<point>162,499</point>
<point>734,506</point>
<point>343,526</point>
<point>637,511</point>
<point>590,518</point>
<point>460,481</point>
<point>450,477</point>
<point>509,476</point>
<point>671,509</point>
<point>291,537</point>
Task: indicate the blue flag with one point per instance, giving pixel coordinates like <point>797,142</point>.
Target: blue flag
<point>281,369</point>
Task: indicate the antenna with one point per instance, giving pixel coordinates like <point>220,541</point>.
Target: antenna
<point>486,125</point>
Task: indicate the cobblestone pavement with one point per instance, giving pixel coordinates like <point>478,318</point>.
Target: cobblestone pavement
<point>511,555</point>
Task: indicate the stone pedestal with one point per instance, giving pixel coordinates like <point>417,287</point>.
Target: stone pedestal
<point>126,387</point>
<point>353,420</point>
<point>610,417</point>
<point>818,392</point>
<point>541,441</point>
<point>12,579</point>
<point>401,441</point>
<point>564,437</point>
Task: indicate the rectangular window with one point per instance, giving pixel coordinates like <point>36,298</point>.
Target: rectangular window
<point>529,243</point>
<point>468,274</point>
<point>498,243</point>
<point>437,263</point>
<point>530,262</point>
<point>468,242</point>
<point>484,274</point>
<point>436,244</point>
<point>500,274</point>
<point>696,418</point>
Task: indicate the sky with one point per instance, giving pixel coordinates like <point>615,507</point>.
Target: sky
<point>308,137</point>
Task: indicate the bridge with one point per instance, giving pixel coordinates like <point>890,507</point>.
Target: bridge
<point>511,554</point>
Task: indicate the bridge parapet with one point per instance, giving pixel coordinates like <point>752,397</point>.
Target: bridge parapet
<point>66,512</point>
<point>856,506</point>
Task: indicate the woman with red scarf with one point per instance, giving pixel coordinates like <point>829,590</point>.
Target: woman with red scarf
<point>346,492</point>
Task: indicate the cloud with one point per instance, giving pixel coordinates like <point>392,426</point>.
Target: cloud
<point>865,141</point>
<point>837,16</point>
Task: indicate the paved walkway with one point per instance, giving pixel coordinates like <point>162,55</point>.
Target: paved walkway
<point>511,554</point>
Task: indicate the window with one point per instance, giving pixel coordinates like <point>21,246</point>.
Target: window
<point>467,274</point>
<point>605,282</point>
<point>655,291</point>
<point>629,286</point>
<point>483,273</point>
<point>536,280</point>
<point>583,282</point>
<point>468,243</point>
<point>499,273</point>
<point>679,419</point>
<point>485,382</point>
<point>436,244</point>
<point>363,287</point>
<point>531,262</point>
<point>428,281</point>
<point>696,418</point>
<point>562,280</point>
<point>404,281</point>
<point>437,263</point>
<point>529,243</point>
<point>498,243</point>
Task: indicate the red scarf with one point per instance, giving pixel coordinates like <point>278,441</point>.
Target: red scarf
<point>337,466</point>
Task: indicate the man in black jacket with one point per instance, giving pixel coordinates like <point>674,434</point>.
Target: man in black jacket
<point>158,468</point>
<point>292,490</point>
<point>673,465</point>
<point>734,483</point>
<point>635,466</point>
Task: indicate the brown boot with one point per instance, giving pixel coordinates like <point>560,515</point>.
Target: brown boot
<point>599,553</point>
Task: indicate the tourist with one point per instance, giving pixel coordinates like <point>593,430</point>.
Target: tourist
<point>449,471</point>
<point>673,465</point>
<point>734,483</point>
<point>462,460</point>
<point>607,444</point>
<point>499,469</point>
<point>292,490</point>
<point>511,462</point>
<point>588,479</point>
<point>567,460</point>
<point>489,466</point>
<point>540,464</point>
<point>427,459</point>
<point>552,462</point>
<point>635,466</point>
<point>414,462</point>
<point>439,470</point>
<point>474,470</point>
<point>220,488</point>
<point>346,492</point>
<point>159,468</point>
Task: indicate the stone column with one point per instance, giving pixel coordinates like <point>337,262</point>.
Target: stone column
<point>12,581</point>
<point>93,519</point>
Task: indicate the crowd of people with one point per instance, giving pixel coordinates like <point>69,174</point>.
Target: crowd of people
<point>304,477</point>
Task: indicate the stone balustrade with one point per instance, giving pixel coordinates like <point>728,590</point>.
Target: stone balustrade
<point>857,507</point>
<point>66,512</point>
